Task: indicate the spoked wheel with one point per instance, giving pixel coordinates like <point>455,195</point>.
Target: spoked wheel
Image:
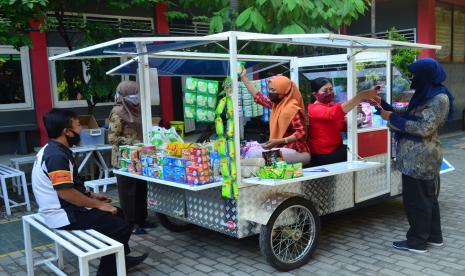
<point>291,235</point>
<point>173,224</point>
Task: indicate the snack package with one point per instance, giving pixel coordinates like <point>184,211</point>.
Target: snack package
<point>202,86</point>
<point>211,102</point>
<point>134,153</point>
<point>148,150</point>
<point>231,148</point>
<point>175,162</point>
<point>230,128</point>
<point>190,98</point>
<point>180,175</point>
<point>123,165</point>
<point>124,152</point>
<point>171,135</point>
<point>168,173</point>
<point>215,165</point>
<point>220,145</point>
<point>220,107</point>
<point>202,100</point>
<point>229,107</point>
<point>272,156</point>
<point>210,116</point>
<point>201,115</point>
<point>213,87</point>
<point>189,111</point>
<point>191,84</point>
<point>227,85</point>
<point>219,127</point>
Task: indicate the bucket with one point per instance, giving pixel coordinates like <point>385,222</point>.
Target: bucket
<point>179,126</point>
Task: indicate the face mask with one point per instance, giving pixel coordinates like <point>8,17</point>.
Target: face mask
<point>73,141</point>
<point>325,97</point>
<point>274,97</point>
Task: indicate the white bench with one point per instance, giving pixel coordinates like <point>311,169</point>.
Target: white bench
<point>95,184</point>
<point>85,244</point>
<point>16,162</point>
<point>9,172</point>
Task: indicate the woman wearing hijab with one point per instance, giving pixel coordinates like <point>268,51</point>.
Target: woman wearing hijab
<point>419,153</point>
<point>287,121</point>
<point>327,120</point>
<point>126,129</point>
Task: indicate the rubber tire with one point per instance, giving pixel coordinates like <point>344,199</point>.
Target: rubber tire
<point>265,235</point>
<point>167,222</point>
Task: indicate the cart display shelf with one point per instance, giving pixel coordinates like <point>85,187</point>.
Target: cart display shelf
<point>170,183</point>
<point>318,172</point>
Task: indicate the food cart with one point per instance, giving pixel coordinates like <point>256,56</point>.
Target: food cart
<point>285,213</point>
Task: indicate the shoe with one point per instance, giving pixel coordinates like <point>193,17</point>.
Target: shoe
<point>134,261</point>
<point>402,245</point>
<point>139,231</point>
<point>435,243</point>
<point>148,225</point>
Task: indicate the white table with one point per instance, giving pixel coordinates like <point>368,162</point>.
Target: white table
<point>318,172</point>
<point>88,151</point>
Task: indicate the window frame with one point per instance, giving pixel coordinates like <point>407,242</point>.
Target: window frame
<point>52,51</point>
<point>26,76</point>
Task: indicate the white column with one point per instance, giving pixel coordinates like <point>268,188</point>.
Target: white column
<point>235,98</point>
<point>144,92</point>
<point>294,70</point>
<point>388,99</point>
<point>352,115</point>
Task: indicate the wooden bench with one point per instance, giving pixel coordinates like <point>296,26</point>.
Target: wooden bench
<point>85,244</point>
<point>95,184</point>
<point>9,172</point>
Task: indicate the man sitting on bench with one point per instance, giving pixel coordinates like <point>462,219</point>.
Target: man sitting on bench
<point>61,196</point>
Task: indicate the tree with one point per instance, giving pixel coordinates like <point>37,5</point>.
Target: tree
<point>270,16</point>
<point>96,86</point>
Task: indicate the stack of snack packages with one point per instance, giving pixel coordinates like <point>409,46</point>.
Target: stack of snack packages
<point>174,169</point>
<point>141,159</point>
<point>281,170</point>
<point>199,170</point>
<point>264,90</point>
<point>249,107</point>
<point>200,98</point>
<point>225,143</point>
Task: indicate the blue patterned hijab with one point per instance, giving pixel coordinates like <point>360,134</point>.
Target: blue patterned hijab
<point>427,82</point>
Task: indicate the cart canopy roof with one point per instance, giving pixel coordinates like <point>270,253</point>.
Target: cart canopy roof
<point>198,64</point>
<point>133,46</point>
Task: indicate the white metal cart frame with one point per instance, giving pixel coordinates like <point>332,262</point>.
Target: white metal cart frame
<point>281,211</point>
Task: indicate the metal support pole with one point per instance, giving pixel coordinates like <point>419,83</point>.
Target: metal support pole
<point>235,98</point>
<point>388,99</point>
<point>144,92</point>
<point>294,70</point>
<point>352,115</point>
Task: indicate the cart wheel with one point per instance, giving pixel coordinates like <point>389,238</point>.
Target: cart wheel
<point>173,224</point>
<point>291,235</point>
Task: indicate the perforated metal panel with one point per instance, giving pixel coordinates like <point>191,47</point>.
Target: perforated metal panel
<point>373,182</point>
<point>205,208</point>
<point>331,194</point>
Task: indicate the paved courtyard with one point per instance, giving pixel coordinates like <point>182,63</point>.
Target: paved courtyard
<point>353,243</point>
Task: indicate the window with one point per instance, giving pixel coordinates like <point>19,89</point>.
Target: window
<point>67,77</point>
<point>450,32</point>
<point>15,78</point>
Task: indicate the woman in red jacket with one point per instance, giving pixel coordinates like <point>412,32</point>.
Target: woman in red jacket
<point>327,120</point>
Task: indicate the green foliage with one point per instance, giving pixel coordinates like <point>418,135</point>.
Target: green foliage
<point>401,58</point>
<point>14,20</point>
<point>274,16</point>
<point>15,28</point>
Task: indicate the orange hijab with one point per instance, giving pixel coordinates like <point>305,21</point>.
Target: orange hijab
<point>283,112</point>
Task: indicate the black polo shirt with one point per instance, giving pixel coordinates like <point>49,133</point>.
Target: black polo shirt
<point>55,169</point>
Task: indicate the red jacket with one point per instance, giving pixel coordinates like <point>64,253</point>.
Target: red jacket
<point>326,122</point>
